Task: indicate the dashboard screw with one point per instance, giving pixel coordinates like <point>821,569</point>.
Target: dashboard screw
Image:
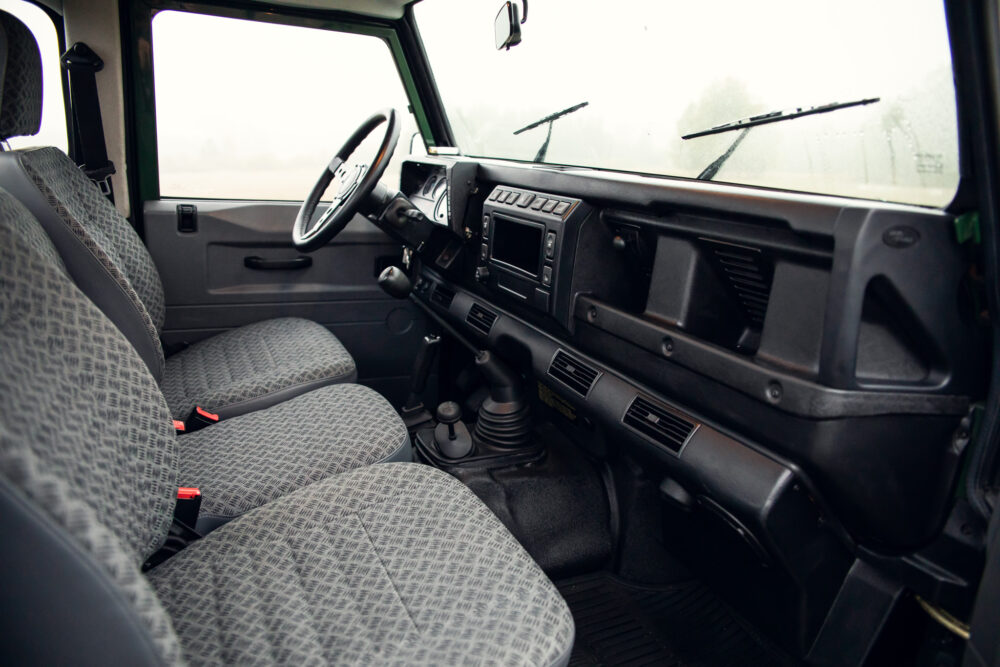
<point>668,346</point>
<point>774,392</point>
<point>592,314</point>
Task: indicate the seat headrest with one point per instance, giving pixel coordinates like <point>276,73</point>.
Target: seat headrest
<point>21,88</point>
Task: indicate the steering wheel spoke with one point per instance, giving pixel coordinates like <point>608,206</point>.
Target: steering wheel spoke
<point>353,184</point>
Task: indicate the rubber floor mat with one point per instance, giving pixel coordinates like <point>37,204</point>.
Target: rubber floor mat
<point>618,623</point>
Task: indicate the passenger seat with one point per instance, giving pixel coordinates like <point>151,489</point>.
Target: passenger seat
<point>387,564</point>
<point>250,460</point>
<point>233,373</point>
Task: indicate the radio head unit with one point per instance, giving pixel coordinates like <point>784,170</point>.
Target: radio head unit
<point>522,236</point>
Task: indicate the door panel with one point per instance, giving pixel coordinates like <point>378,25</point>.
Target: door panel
<point>209,287</point>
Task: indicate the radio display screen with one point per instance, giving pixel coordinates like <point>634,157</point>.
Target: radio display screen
<point>517,244</point>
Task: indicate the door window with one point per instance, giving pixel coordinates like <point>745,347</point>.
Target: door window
<point>254,110</point>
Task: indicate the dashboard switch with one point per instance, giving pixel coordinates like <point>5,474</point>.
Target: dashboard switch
<point>561,208</point>
<point>484,250</point>
<point>525,199</point>
<point>495,194</point>
<point>547,276</point>
<point>549,205</point>
<point>550,245</point>
<point>512,197</point>
<point>539,203</point>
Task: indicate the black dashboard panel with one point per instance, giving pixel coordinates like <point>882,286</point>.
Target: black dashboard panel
<point>781,319</point>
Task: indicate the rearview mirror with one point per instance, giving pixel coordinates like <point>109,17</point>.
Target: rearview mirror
<point>507,26</point>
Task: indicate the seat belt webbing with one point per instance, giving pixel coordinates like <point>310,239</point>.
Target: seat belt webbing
<point>90,151</point>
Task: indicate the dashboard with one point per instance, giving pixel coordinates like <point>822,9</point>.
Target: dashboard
<point>788,320</point>
<point>780,364</point>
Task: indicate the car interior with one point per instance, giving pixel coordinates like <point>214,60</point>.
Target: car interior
<point>575,352</point>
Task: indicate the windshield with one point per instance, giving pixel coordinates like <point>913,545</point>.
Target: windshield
<point>633,77</point>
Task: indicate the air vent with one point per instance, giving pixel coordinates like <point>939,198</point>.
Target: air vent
<point>442,296</point>
<point>748,272</point>
<point>481,319</point>
<point>658,423</point>
<point>573,373</point>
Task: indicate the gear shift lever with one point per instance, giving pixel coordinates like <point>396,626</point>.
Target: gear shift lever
<point>504,419</point>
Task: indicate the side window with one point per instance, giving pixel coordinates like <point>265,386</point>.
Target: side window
<point>253,110</point>
<point>53,128</point>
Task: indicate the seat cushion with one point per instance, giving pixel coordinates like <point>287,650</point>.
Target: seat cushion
<point>254,367</point>
<point>244,462</point>
<point>389,564</point>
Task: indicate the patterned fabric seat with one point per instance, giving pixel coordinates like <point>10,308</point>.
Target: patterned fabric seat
<point>247,461</point>
<point>244,370</point>
<point>393,564</point>
<point>387,564</point>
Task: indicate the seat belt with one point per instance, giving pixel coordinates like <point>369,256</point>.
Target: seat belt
<point>90,151</point>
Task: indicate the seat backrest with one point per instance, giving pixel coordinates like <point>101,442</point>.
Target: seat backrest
<point>100,248</point>
<point>87,468</point>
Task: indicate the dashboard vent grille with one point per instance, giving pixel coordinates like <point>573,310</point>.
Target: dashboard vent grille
<point>573,373</point>
<point>749,275</point>
<point>658,423</point>
<point>481,319</point>
<point>442,295</point>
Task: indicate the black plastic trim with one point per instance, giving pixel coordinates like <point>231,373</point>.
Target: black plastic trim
<point>679,449</point>
<point>796,395</point>
<point>597,373</point>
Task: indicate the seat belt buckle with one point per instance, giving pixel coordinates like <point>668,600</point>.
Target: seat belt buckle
<point>188,504</point>
<point>180,426</point>
<point>104,186</point>
<point>101,176</point>
<point>199,419</point>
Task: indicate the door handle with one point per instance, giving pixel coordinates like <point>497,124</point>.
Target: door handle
<point>262,264</point>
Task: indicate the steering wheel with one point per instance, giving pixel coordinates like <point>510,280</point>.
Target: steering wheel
<point>354,184</point>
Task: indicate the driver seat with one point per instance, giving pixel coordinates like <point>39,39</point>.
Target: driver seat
<point>232,373</point>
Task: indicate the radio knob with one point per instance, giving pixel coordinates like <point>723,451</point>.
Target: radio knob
<point>482,273</point>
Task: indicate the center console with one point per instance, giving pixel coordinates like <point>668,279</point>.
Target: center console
<point>523,233</point>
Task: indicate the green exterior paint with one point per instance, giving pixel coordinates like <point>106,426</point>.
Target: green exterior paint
<point>967,227</point>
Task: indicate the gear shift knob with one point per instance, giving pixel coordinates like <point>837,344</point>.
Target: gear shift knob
<point>449,412</point>
<point>451,436</point>
<point>395,283</point>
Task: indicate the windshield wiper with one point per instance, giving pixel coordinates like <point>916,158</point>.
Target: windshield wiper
<point>762,119</point>
<point>540,155</point>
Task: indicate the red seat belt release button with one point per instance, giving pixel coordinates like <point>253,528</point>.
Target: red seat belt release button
<point>179,426</point>
<point>206,414</point>
<point>188,504</point>
<point>199,419</point>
